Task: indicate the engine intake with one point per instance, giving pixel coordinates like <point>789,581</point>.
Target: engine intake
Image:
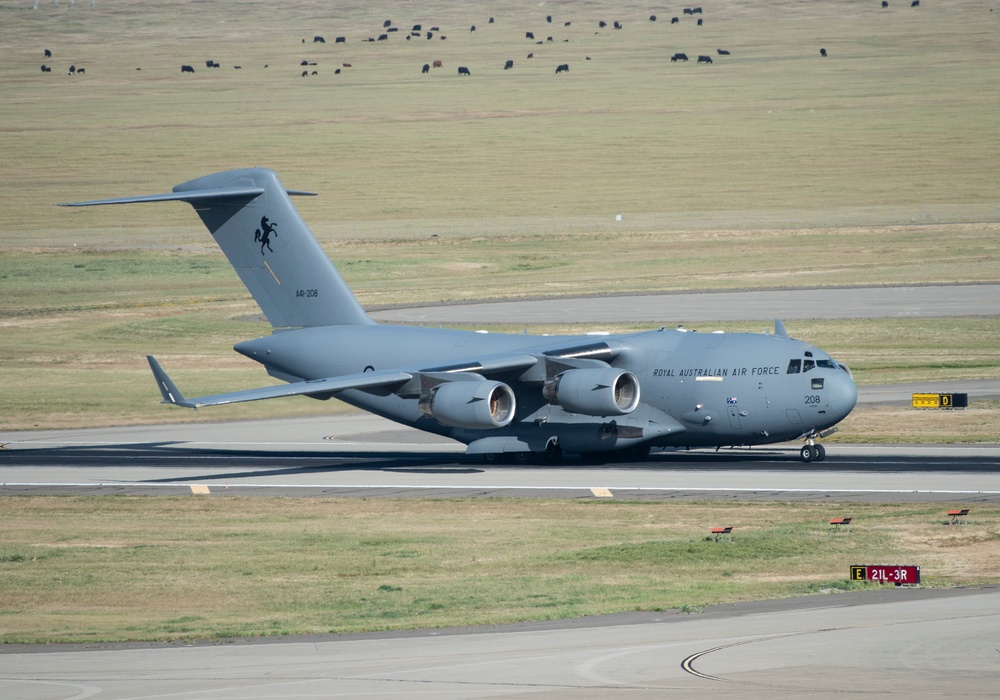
<point>594,392</point>
<point>470,404</point>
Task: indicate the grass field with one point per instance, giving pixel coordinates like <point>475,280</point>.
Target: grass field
<point>771,167</point>
<point>174,568</point>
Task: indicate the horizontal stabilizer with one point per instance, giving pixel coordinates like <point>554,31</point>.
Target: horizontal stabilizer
<point>216,194</point>
<point>328,385</point>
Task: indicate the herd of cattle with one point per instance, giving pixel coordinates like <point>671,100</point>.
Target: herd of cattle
<point>417,32</point>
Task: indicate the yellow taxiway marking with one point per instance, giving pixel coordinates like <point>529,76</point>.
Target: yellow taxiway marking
<point>200,490</point>
<point>602,493</point>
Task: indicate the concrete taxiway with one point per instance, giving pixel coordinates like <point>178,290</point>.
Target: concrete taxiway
<point>888,643</point>
<point>929,301</point>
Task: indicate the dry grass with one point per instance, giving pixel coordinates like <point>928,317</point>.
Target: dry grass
<point>163,568</point>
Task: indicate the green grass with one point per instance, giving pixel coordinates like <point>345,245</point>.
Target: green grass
<point>169,568</point>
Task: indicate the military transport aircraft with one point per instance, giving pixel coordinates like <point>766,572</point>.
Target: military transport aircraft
<point>505,396</point>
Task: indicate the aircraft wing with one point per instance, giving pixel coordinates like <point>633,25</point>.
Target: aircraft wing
<point>328,385</point>
<point>391,379</point>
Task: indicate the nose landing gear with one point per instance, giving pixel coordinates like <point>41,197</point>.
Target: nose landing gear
<point>812,451</point>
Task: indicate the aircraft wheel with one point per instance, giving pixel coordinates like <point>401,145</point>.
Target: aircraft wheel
<point>807,453</point>
<point>521,457</point>
<point>553,454</point>
<point>819,453</point>
<point>492,458</point>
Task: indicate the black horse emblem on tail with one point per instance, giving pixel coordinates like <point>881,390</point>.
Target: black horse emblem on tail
<point>263,234</point>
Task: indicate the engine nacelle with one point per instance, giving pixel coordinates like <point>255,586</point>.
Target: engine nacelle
<point>594,392</point>
<point>470,404</point>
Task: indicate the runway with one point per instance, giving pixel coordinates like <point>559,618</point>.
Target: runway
<point>366,456</point>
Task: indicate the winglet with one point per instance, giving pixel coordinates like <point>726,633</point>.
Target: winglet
<point>169,390</point>
<point>779,328</point>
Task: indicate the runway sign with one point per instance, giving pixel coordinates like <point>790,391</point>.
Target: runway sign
<point>898,574</point>
<point>940,400</point>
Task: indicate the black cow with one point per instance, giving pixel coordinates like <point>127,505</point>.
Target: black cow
<point>723,52</point>
<point>212,64</point>
<point>319,40</point>
<point>340,40</point>
<point>48,54</point>
<point>383,37</point>
<point>80,71</point>
<point>618,25</point>
<point>426,68</point>
<point>46,69</point>
<point>548,18</point>
<point>675,20</point>
<point>652,18</point>
<point>72,70</point>
<point>885,4</point>
<point>602,24</point>
<point>562,68</point>
<point>696,11</point>
<point>472,28</point>
<point>508,65</point>
<point>699,21</point>
<point>187,69</point>
<point>822,52</point>
<point>387,23</point>
<point>417,28</point>
<point>679,57</point>
<point>529,35</point>
<point>704,59</point>
<point>688,11</point>
<point>462,70</point>
<point>915,3</point>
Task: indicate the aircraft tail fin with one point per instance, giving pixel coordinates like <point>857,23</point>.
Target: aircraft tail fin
<point>252,218</point>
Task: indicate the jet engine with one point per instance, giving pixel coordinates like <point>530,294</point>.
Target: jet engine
<point>470,404</point>
<point>594,392</point>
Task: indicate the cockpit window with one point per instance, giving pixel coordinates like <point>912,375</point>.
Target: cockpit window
<point>796,366</point>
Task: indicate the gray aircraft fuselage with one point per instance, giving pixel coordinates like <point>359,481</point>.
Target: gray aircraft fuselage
<point>498,393</point>
<point>721,389</point>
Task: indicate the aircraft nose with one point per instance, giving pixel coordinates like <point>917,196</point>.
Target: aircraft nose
<point>842,394</point>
